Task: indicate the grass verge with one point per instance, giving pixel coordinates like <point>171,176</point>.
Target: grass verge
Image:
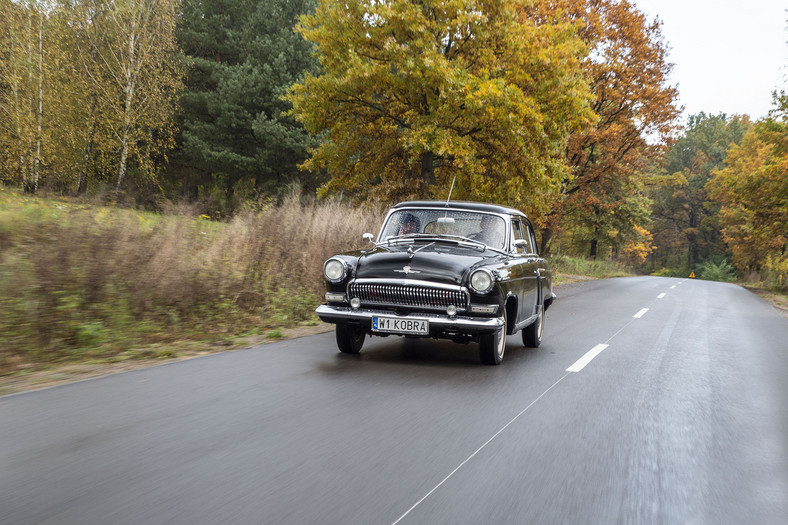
<point>573,269</point>
<point>95,284</point>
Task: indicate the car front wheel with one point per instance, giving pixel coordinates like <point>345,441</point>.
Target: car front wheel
<point>492,346</point>
<point>349,338</point>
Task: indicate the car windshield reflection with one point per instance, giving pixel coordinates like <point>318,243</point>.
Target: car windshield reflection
<point>483,228</point>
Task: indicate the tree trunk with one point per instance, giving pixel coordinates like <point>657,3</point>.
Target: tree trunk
<point>29,182</point>
<point>547,240</point>
<point>129,88</point>
<point>427,171</point>
<point>40,109</point>
<point>124,157</point>
<point>82,183</point>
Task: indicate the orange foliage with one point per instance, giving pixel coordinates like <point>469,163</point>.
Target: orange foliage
<point>627,70</point>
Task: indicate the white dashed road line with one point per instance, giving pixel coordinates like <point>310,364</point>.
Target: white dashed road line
<point>583,361</point>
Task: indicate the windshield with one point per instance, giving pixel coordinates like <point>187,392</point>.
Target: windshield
<point>483,227</point>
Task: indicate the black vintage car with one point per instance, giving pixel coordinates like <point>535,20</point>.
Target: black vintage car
<point>463,271</point>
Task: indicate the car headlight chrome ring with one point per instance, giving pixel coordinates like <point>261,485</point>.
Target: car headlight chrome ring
<point>481,281</point>
<point>334,270</point>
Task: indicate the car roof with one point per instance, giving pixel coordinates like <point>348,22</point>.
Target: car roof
<point>459,205</point>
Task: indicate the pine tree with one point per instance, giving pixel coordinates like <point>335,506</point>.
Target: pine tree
<point>243,55</point>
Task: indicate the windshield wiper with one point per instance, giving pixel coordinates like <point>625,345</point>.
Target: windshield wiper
<point>414,252</point>
<point>459,239</point>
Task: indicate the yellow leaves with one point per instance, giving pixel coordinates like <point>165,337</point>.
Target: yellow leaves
<point>637,249</point>
<point>456,80</point>
<point>753,192</point>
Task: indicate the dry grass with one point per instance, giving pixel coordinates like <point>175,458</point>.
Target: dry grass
<point>81,282</point>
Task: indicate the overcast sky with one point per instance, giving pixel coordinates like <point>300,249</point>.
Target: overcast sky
<point>728,55</point>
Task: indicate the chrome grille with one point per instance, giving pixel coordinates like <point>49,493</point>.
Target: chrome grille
<point>407,295</point>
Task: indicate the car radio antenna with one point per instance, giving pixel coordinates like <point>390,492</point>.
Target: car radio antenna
<point>450,190</point>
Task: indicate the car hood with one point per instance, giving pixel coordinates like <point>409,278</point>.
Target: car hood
<point>446,267</point>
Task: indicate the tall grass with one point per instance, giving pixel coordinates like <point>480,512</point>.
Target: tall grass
<point>602,268</point>
<point>81,282</point>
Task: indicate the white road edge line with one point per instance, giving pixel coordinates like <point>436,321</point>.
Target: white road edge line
<point>583,361</point>
<point>641,313</point>
<point>444,480</point>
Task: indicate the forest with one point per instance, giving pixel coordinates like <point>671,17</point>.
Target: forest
<point>561,108</point>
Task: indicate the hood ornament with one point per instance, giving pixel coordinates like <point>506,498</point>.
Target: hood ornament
<point>407,270</point>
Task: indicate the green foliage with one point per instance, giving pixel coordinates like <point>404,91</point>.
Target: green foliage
<point>686,230</point>
<point>720,270</point>
<point>276,333</point>
<point>413,94</point>
<point>243,55</point>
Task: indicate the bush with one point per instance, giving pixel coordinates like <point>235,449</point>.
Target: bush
<point>721,270</point>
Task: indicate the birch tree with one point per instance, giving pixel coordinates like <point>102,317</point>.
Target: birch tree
<point>130,57</point>
<point>22,78</point>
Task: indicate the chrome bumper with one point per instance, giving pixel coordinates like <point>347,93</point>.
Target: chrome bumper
<point>438,322</point>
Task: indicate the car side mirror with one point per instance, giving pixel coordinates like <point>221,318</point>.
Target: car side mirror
<point>521,243</point>
<point>369,237</point>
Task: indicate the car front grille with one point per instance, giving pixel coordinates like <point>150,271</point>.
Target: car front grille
<point>410,295</point>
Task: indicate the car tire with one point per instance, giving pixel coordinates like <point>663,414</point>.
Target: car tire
<point>349,339</point>
<point>492,346</point>
<point>532,334</point>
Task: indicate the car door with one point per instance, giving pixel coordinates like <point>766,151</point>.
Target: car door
<point>527,262</point>
<point>542,267</point>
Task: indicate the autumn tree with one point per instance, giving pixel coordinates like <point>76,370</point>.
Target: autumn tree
<point>22,79</point>
<point>129,54</point>
<point>626,65</point>
<point>40,109</point>
<point>413,94</point>
<point>752,190</point>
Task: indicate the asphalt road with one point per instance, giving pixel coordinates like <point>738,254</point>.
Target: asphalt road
<point>681,418</point>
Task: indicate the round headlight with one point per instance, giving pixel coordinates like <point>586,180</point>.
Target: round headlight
<point>481,281</point>
<point>334,270</point>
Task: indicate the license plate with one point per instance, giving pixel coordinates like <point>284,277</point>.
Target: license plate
<point>396,325</point>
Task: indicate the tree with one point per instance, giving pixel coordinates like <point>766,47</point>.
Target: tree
<point>414,94</point>
<point>752,190</point>
<point>82,77</point>
<point>132,61</point>
<point>23,76</point>
<point>636,112</point>
<point>685,219</point>
<point>243,56</point>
